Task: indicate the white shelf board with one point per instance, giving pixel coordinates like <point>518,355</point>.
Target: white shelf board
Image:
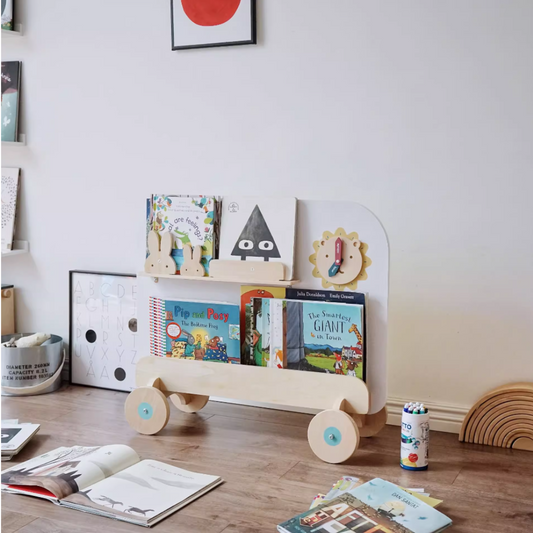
<point>17,32</point>
<point>240,281</point>
<point>19,247</point>
<point>20,142</point>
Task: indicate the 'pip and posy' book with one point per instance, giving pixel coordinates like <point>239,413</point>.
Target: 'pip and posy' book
<point>190,219</point>
<point>201,331</point>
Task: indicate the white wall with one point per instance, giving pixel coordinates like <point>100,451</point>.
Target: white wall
<point>422,111</point>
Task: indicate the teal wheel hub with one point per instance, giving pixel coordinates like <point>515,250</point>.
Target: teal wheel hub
<point>332,436</point>
<point>145,411</point>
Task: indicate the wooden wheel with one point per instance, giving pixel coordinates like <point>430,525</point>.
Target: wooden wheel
<point>147,410</point>
<point>333,436</point>
<point>188,403</point>
<point>372,424</point>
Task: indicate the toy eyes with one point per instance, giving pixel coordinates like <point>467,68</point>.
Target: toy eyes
<point>327,255</point>
<point>351,257</point>
<point>266,245</point>
<point>246,244</point>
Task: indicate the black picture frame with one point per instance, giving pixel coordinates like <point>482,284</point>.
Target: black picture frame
<point>253,39</point>
<point>70,324</point>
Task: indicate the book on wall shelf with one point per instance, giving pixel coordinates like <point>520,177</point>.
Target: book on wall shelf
<point>10,100</point>
<point>7,15</point>
<point>110,481</point>
<point>10,188</point>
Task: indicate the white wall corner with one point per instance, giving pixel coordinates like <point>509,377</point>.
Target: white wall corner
<point>447,418</point>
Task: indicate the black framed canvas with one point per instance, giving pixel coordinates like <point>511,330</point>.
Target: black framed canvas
<point>208,23</point>
<point>102,329</point>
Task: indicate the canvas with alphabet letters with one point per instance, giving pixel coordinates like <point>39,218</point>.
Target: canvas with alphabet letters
<point>103,330</point>
<point>259,229</point>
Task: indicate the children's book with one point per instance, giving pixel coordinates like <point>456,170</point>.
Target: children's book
<point>278,345</point>
<point>247,293</point>
<point>191,220</point>
<point>10,187</point>
<point>348,513</point>
<point>15,436</point>
<point>10,100</point>
<point>343,297</point>
<point>260,326</point>
<point>196,330</point>
<point>401,507</point>
<point>325,337</point>
<point>109,481</point>
<point>259,229</point>
<point>7,15</point>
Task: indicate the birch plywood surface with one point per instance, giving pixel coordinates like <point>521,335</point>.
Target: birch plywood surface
<point>269,470</point>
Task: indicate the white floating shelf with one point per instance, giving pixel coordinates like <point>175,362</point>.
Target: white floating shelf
<point>17,32</point>
<point>19,247</point>
<point>20,142</point>
<point>240,281</point>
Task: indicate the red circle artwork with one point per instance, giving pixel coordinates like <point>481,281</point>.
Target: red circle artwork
<point>210,12</point>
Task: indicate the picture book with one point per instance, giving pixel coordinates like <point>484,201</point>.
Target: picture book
<point>401,507</point>
<point>259,229</point>
<point>15,436</point>
<point>191,220</point>
<point>325,337</point>
<point>260,326</point>
<point>10,187</point>
<point>343,297</point>
<point>247,293</point>
<point>7,15</point>
<point>196,330</point>
<point>109,481</point>
<point>10,100</point>
<point>278,345</point>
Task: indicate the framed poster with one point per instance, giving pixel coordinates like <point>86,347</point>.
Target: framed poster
<point>207,23</point>
<point>103,329</point>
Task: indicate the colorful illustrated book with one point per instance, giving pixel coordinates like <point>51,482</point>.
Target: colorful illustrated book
<point>260,326</point>
<point>196,330</point>
<point>247,293</point>
<point>278,345</point>
<point>10,100</point>
<point>347,513</point>
<point>401,507</point>
<point>325,337</point>
<point>344,297</point>
<point>109,481</point>
<point>259,229</point>
<point>192,220</point>
<point>7,15</point>
<point>10,187</point>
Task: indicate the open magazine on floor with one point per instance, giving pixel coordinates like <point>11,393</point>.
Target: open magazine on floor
<point>109,481</point>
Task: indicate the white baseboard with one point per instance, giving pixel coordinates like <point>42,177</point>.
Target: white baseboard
<point>447,418</point>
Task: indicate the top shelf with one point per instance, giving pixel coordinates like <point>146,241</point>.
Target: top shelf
<point>17,32</point>
<point>240,281</point>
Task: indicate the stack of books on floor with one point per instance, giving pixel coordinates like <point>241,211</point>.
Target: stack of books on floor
<point>15,436</point>
<point>372,507</point>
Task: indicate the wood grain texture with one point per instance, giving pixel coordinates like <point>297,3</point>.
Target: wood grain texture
<point>269,470</point>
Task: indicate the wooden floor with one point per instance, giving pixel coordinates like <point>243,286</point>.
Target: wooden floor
<point>270,472</point>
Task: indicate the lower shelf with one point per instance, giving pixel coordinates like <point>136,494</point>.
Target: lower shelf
<point>19,247</point>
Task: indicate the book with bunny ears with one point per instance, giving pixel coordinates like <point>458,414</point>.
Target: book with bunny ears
<point>191,221</point>
<point>196,330</point>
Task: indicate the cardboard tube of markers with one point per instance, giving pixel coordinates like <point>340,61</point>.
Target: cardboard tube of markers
<point>415,441</point>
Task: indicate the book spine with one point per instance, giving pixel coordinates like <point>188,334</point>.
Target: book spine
<point>157,327</point>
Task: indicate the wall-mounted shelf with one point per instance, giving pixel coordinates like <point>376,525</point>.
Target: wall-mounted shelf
<point>19,247</point>
<point>240,281</point>
<point>17,32</point>
<point>20,142</point>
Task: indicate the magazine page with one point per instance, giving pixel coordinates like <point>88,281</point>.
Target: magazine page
<point>143,493</point>
<point>67,470</point>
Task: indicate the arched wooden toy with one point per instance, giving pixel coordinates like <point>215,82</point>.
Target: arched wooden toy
<point>333,433</point>
<point>503,417</point>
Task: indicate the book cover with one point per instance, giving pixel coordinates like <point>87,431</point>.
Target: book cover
<point>10,187</point>
<point>325,337</point>
<point>7,15</point>
<point>344,514</point>
<point>343,297</point>
<point>247,293</point>
<point>10,100</point>
<point>190,219</point>
<point>259,229</point>
<point>401,507</point>
<point>201,331</point>
<point>16,436</point>
<point>260,331</point>
<point>277,337</point>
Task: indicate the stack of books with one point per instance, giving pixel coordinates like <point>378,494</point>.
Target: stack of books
<point>15,436</point>
<point>372,507</point>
